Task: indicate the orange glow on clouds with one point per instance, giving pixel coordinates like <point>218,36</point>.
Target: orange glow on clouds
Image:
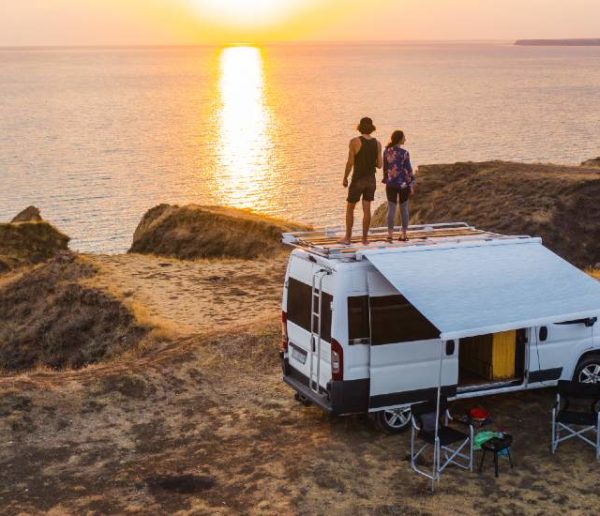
<point>160,22</point>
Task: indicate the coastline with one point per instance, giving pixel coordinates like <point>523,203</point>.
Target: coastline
<point>578,42</point>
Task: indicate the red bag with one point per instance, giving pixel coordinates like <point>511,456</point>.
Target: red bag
<point>478,414</point>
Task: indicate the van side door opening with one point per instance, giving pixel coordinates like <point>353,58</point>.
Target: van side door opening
<point>492,360</point>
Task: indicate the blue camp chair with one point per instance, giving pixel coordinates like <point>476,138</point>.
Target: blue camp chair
<point>450,446</point>
<point>576,420</point>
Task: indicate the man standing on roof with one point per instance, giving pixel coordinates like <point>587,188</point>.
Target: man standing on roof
<point>364,157</point>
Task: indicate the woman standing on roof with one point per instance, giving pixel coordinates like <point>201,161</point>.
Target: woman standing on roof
<point>400,182</point>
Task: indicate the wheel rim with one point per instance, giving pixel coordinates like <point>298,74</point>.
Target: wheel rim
<point>590,374</point>
<point>397,418</point>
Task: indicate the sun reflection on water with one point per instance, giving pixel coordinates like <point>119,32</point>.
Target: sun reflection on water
<point>245,146</point>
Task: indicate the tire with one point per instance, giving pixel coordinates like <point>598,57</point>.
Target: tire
<point>394,421</point>
<point>588,370</point>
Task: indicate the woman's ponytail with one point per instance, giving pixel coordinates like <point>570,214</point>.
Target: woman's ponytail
<point>396,138</point>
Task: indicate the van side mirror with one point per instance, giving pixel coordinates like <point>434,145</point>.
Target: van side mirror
<point>450,347</point>
<point>543,333</point>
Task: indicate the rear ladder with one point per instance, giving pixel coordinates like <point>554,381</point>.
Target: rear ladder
<point>316,311</point>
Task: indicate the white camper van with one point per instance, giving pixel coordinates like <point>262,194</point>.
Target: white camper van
<point>374,328</point>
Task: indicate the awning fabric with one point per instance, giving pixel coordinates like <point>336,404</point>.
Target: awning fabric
<point>475,288</point>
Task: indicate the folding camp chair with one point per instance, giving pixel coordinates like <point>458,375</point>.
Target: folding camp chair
<point>449,444</point>
<point>576,421</point>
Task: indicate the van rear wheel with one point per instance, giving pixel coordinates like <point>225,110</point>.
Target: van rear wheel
<point>393,421</point>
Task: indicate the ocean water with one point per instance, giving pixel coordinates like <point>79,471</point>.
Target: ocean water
<point>95,137</point>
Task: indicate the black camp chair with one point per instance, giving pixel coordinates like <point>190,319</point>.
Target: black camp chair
<point>449,442</point>
<point>578,420</point>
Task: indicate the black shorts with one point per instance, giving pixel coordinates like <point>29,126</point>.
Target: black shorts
<point>363,187</point>
<point>397,195</point>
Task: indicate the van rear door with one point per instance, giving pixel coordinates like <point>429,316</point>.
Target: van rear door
<point>405,351</point>
<point>308,356</point>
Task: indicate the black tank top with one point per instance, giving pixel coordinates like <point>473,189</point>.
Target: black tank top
<point>365,160</point>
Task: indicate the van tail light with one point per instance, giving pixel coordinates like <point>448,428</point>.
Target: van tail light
<point>337,361</point>
<point>284,333</point>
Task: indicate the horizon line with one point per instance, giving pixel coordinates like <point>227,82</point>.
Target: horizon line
<point>260,43</point>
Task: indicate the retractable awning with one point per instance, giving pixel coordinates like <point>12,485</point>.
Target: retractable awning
<point>476,288</point>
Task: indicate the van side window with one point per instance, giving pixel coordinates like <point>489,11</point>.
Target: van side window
<point>299,306</point>
<point>394,319</point>
<point>358,318</point>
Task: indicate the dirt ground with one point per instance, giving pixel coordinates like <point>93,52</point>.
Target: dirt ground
<point>194,296</point>
<point>202,424</point>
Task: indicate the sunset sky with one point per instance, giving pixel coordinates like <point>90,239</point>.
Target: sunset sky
<point>144,22</point>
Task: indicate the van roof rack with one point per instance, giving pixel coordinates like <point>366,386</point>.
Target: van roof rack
<point>324,241</point>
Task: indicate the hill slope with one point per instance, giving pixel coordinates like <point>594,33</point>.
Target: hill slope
<point>24,243</point>
<point>50,317</point>
<point>558,203</point>
<point>192,231</point>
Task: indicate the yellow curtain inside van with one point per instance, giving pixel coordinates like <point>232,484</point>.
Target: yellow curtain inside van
<point>490,356</point>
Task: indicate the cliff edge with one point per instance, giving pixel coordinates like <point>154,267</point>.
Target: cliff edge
<point>190,232</point>
<point>558,203</point>
<point>28,239</point>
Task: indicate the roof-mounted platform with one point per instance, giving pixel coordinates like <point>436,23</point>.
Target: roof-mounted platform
<point>324,241</point>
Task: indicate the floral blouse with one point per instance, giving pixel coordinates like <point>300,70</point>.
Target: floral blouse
<point>397,169</point>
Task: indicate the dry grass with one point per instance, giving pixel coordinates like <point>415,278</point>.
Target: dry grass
<point>191,232</point>
<point>207,427</point>
<point>48,317</point>
<point>159,327</point>
<point>24,243</point>
<point>594,162</point>
<point>558,203</point>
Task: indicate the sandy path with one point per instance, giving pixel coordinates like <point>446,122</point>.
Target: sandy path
<point>195,296</point>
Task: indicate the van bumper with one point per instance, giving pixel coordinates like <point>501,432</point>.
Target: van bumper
<point>299,382</point>
<point>340,398</point>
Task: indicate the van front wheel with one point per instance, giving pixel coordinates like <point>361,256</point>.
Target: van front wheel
<point>393,421</point>
<point>588,370</point>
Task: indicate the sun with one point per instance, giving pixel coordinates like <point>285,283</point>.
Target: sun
<point>248,13</point>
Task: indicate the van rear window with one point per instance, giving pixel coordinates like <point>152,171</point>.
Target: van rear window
<point>394,319</point>
<point>299,307</point>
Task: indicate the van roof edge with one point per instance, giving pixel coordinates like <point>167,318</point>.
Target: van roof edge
<point>323,241</point>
